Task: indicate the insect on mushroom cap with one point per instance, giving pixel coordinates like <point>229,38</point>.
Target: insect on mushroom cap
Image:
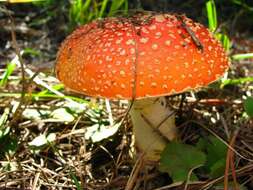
<point>141,56</point>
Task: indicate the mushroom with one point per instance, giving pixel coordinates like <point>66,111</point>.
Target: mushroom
<point>142,58</point>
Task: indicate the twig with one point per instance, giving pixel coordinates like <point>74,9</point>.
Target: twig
<point>225,126</point>
<point>176,184</point>
<point>189,176</point>
<point>134,174</point>
<point>35,182</point>
<point>38,81</point>
<point>241,170</point>
<point>110,154</point>
<point>229,159</point>
<point>223,141</point>
<point>250,147</point>
<point>18,111</point>
<point>232,167</point>
<point>73,132</point>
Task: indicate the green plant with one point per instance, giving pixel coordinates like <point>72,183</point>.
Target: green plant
<point>242,56</point>
<point>243,4</point>
<point>8,142</point>
<point>179,160</point>
<point>8,71</point>
<point>215,151</point>
<point>22,1</point>
<point>211,15</point>
<point>213,24</point>
<point>248,106</point>
<point>81,11</point>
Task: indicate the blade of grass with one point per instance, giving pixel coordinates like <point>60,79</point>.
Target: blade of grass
<point>56,87</point>
<point>236,81</point>
<point>242,56</point>
<point>126,7</point>
<point>75,12</point>
<point>243,4</point>
<point>20,1</point>
<point>38,95</point>
<point>95,11</point>
<point>39,81</point>
<point>102,9</point>
<point>84,11</point>
<point>116,5</point>
<point>79,12</point>
<point>224,40</point>
<point>75,181</point>
<point>4,117</point>
<point>9,70</point>
<point>31,51</point>
<point>211,15</point>
<point>86,5</point>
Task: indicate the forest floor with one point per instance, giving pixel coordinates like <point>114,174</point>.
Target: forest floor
<point>51,138</point>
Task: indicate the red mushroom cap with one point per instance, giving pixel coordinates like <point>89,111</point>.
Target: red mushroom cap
<point>141,56</point>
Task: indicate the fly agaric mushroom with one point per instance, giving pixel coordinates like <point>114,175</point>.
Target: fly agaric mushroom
<point>145,58</point>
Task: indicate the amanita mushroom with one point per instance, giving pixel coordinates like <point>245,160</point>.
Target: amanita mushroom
<point>145,58</point>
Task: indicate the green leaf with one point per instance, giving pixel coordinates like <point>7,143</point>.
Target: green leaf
<point>248,106</point>
<point>9,166</point>
<point>8,144</point>
<point>179,159</point>
<point>216,150</point>
<point>99,132</point>
<point>62,115</point>
<point>41,141</point>
<point>217,169</point>
<point>216,153</point>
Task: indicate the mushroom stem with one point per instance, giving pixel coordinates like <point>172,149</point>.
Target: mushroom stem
<point>153,126</point>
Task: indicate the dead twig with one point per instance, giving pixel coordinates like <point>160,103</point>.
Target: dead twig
<point>230,163</point>
<point>18,111</point>
<point>134,174</point>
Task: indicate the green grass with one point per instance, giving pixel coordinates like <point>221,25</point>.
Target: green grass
<point>40,96</point>
<point>8,71</point>
<point>81,12</point>
<point>22,1</point>
<point>211,15</point>
<point>243,4</point>
<point>242,56</point>
<point>213,24</point>
<point>237,81</point>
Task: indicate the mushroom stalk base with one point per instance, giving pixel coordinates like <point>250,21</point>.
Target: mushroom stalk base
<point>153,126</point>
